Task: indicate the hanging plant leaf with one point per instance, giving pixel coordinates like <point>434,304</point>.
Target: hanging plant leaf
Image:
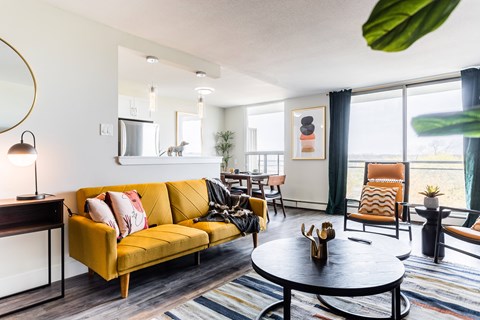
<point>394,25</point>
<point>437,124</point>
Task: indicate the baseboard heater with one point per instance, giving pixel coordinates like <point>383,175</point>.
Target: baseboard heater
<point>305,204</point>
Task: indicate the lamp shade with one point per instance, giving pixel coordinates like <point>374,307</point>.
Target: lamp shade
<point>22,154</point>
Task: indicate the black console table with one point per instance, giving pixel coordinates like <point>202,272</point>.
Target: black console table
<point>22,217</point>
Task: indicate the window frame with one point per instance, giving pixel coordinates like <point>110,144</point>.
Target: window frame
<point>404,94</point>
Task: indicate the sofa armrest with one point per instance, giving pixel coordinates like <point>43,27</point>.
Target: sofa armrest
<point>93,244</point>
<point>259,208</point>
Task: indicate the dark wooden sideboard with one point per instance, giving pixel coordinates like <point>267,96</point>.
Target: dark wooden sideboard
<point>22,217</point>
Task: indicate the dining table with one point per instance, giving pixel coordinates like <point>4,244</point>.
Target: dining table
<point>248,177</point>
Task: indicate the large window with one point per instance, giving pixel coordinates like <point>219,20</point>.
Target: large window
<point>380,130</point>
<point>265,138</point>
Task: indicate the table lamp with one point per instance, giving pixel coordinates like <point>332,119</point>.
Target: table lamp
<point>23,154</point>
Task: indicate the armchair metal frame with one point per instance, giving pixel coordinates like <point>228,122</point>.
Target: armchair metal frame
<point>441,228</point>
<point>398,222</point>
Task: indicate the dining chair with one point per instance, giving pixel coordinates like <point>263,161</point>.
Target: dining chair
<point>384,199</point>
<point>270,191</point>
<point>469,235</point>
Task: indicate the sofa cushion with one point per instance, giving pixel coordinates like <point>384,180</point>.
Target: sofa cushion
<point>157,243</point>
<point>188,199</point>
<point>154,199</point>
<point>217,231</point>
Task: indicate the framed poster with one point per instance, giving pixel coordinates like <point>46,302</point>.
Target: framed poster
<point>308,133</point>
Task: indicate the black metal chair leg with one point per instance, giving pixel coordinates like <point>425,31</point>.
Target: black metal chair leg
<point>283,207</point>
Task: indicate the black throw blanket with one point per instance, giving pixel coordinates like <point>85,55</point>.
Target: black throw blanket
<point>224,207</point>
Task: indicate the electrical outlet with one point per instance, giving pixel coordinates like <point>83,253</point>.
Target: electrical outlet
<point>106,129</point>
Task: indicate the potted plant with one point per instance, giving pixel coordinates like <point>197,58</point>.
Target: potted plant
<point>431,193</point>
<point>224,145</point>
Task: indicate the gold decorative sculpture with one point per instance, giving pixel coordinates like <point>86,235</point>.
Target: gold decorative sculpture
<point>319,251</point>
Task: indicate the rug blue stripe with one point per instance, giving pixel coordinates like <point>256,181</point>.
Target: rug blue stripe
<point>441,304</point>
<point>171,315</point>
<point>220,309</point>
<point>446,267</point>
<point>443,275</point>
<point>260,286</point>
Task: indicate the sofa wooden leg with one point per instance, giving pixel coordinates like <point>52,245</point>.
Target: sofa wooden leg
<point>91,273</point>
<point>124,282</point>
<point>255,239</point>
<point>197,258</point>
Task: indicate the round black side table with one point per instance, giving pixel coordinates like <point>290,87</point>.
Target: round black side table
<point>429,230</point>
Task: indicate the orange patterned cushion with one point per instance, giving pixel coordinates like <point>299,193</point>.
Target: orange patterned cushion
<point>388,184</point>
<point>378,200</point>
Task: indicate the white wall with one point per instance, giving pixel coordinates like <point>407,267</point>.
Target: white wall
<point>75,64</point>
<point>235,120</point>
<point>307,180</point>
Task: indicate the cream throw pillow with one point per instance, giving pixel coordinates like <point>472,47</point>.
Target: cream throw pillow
<point>99,211</point>
<point>378,201</point>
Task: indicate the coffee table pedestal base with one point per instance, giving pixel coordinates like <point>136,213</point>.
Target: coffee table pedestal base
<point>397,311</point>
<point>286,302</point>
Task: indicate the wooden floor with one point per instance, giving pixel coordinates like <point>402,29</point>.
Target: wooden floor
<point>159,288</point>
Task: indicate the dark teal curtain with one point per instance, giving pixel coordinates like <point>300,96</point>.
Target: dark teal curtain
<point>338,150</point>
<point>471,146</point>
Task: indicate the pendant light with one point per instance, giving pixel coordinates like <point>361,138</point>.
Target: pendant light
<point>202,91</point>
<point>152,99</point>
<point>152,94</point>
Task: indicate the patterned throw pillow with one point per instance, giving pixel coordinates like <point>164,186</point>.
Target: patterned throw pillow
<point>378,201</point>
<point>476,225</point>
<point>99,211</point>
<point>128,210</point>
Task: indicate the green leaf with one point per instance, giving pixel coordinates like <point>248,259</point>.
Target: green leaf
<point>394,25</point>
<point>437,124</point>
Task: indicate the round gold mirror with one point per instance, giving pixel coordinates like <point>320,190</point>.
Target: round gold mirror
<point>17,87</point>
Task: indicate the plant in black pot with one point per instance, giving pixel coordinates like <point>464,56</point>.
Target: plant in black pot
<point>431,193</point>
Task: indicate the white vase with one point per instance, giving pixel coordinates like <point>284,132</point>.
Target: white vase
<point>430,203</point>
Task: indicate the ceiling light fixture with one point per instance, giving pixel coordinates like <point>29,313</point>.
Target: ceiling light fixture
<point>201,74</point>
<point>200,107</point>
<point>152,99</point>
<point>202,91</point>
<point>152,59</point>
<point>152,94</point>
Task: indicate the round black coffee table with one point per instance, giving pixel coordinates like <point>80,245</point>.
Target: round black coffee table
<point>387,244</point>
<point>352,269</point>
<point>429,230</point>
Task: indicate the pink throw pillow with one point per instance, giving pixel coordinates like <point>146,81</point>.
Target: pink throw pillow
<point>128,210</point>
<point>99,211</point>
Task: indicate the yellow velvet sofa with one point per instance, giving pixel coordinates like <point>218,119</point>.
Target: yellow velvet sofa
<point>170,208</point>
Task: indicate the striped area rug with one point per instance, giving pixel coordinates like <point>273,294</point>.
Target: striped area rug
<point>444,291</point>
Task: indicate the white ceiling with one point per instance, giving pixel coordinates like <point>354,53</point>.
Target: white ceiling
<point>275,49</point>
